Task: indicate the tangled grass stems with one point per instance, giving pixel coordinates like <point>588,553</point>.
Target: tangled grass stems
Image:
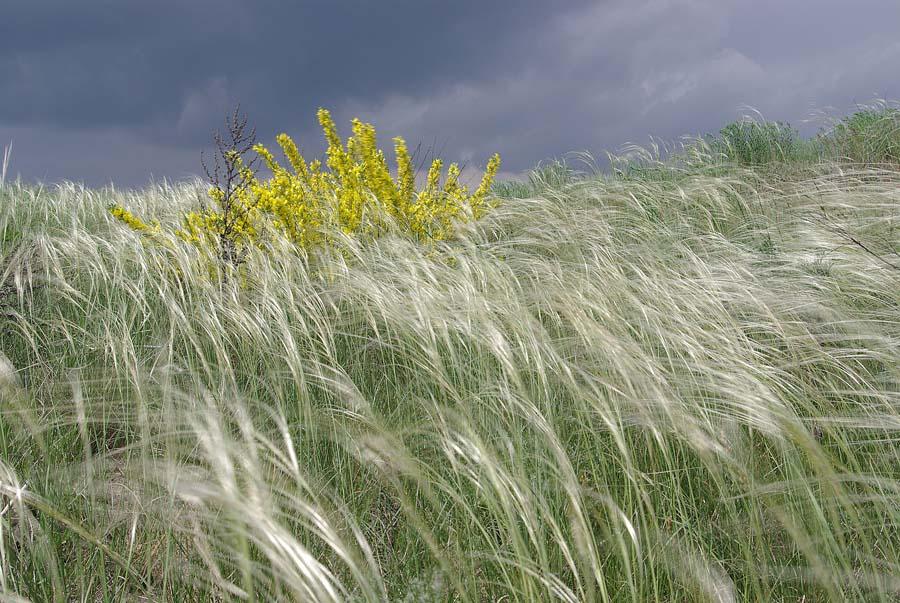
<point>679,387</point>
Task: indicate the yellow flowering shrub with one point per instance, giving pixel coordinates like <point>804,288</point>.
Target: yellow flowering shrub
<point>354,191</point>
<point>358,187</point>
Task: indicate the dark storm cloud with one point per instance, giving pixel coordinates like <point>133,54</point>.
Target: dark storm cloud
<point>620,71</point>
<point>96,63</point>
<point>107,90</point>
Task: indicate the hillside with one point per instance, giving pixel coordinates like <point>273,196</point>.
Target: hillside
<point>678,380</point>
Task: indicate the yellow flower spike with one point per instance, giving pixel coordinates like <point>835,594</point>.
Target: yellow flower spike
<point>481,192</point>
<point>452,183</point>
<point>267,157</point>
<point>293,156</point>
<point>375,174</point>
<point>405,176</point>
<point>337,156</point>
<point>330,129</point>
<point>434,175</point>
<point>133,222</point>
<point>368,142</point>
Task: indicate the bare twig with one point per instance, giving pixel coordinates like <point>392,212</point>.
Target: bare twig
<point>232,176</point>
<point>845,234</point>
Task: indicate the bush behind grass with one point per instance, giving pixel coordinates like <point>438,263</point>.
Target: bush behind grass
<point>678,387</point>
<point>869,137</point>
<point>550,175</point>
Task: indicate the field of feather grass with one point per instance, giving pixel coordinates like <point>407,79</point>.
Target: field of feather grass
<point>676,382</point>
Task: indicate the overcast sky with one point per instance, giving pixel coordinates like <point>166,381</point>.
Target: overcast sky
<point>101,91</point>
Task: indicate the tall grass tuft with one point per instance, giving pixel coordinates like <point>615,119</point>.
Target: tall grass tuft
<point>4,165</point>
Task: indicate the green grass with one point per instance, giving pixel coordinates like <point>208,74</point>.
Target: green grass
<point>680,382</point>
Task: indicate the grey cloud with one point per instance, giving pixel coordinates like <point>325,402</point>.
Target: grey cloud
<point>111,63</point>
<point>530,79</point>
<point>679,68</point>
<point>95,157</point>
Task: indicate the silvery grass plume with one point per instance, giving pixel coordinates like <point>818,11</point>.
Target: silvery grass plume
<point>4,166</point>
<point>684,387</point>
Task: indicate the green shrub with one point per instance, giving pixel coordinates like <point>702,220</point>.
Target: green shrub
<point>757,143</point>
<point>868,136</point>
<point>551,174</point>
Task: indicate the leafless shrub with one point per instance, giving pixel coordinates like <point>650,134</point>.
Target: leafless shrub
<point>231,176</point>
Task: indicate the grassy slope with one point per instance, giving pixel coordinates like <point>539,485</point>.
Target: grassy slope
<point>680,383</point>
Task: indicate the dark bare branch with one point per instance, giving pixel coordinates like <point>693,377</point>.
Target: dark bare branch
<point>231,176</point>
<point>845,234</point>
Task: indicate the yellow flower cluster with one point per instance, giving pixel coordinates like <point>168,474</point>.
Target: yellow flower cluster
<point>355,193</point>
<point>358,188</point>
<point>123,215</point>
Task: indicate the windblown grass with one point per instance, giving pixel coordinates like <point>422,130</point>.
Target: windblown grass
<point>684,386</point>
